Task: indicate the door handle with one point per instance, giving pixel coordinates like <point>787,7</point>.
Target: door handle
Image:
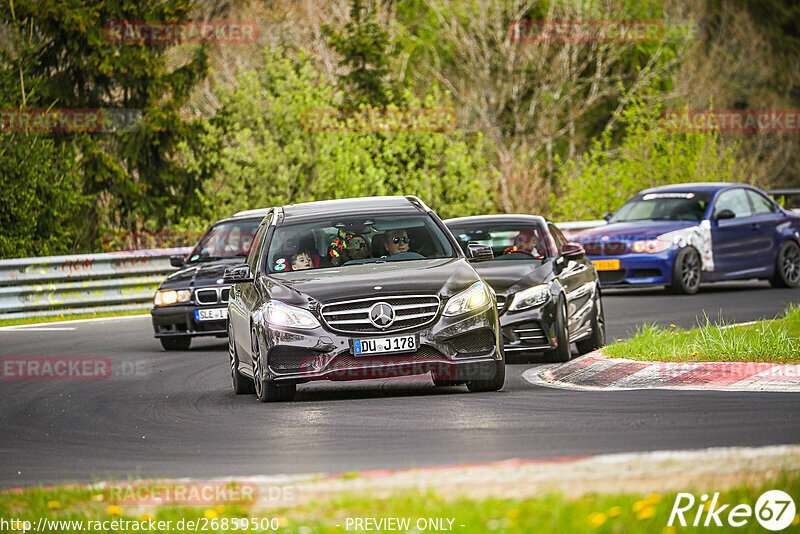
<point>755,227</point>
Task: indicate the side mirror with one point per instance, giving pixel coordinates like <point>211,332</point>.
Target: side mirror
<point>239,274</point>
<point>572,250</point>
<point>607,216</point>
<point>477,253</point>
<point>724,214</point>
<point>176,261</point>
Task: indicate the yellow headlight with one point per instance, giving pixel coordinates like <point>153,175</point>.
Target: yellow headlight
<point>165,298</point>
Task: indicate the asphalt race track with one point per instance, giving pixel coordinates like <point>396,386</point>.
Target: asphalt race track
<point>174,415</point>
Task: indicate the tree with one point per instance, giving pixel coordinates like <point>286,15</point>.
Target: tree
<point>70,62</point>
<point>648,155</point>
<point>366,53</point>
<point>259,151</point>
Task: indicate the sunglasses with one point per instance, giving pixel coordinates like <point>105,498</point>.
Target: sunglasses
<point>356,245</point>
<point>398,240</point>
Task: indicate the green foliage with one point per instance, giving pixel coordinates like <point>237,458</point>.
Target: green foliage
<point>67,61</point>
<point>259,150</point>
<point>365,49</point>
<point>42,203</point>
<point>775,341</point>
<point>648,155</point>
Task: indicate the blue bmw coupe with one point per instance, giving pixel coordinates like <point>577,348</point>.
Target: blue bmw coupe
<point>682,235</point>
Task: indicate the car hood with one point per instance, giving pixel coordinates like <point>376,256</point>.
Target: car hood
<point>509,277</point>
<point>442,277</point>
<point>633,231</point>
<point>200,275</point>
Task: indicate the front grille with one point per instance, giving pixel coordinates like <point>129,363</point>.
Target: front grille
<point>352,317</point>
<point>593,249</point>
<point>206,296</point>
<point>501,304</point>
<point>426,353</point>
<point>477,342</point>
<point>646,273</point>
<point>615,248</point>
<point>530,334</point>
<point>291,359</point>
<point>611,276</point>
<point>224,294</point>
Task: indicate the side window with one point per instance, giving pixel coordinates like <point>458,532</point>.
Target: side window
<point>554,249</point>
<point>734,200</point>
<point>258,244</point>
<point>761,204</point>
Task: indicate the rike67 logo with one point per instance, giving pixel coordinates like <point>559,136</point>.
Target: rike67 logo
<point>774,511</point>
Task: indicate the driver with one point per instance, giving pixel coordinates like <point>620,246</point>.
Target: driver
<point>395,241</point>
<point>526,242</point>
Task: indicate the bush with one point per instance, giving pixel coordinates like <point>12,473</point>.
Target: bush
<point>259,150</point>
<point>648,155</point>
<point>42,203</point>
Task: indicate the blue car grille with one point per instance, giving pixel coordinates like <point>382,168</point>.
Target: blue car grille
<point>612,248</point>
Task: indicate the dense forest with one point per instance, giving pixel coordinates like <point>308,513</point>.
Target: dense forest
<point>461,103</point>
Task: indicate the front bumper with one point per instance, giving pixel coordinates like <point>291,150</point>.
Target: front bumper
<point>460,349</point>
<point>638,269</point>
<point>178,320</point>
<point>530,330</point>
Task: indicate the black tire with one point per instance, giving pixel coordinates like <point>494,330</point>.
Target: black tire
<point>242,385</point>
<point>598,337</point>
<point>268,390</point>
<point>491,384</point>
<point>562,352</point>
<point>686,271</point>
<point>176,342</point>
<point>787,266</point>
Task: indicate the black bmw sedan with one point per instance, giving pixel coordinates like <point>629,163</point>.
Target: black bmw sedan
<point>548,292</point>
<point>193,301</point>
<point>357,289</point>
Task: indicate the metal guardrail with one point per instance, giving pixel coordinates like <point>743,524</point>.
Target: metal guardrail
<point>90,283</point>
<point>71,285</point>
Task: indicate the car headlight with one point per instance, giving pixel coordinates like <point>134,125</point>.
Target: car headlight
<point>530,298</point>
<point>473,298</point>
<point>280,314</point>
<point>165,298</point>
<point>650,246</point>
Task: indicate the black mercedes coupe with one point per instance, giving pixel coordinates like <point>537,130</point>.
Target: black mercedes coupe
<point>548,292</point>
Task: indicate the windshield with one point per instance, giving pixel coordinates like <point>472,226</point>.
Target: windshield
<point>509,241</point>
<point>351,240</point>
<point>231,239</point>
<point>672,206</point>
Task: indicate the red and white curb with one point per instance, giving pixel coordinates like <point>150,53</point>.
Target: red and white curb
<point>596,371</point>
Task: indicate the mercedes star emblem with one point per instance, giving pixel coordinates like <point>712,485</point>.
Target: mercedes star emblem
<point>381,315</point>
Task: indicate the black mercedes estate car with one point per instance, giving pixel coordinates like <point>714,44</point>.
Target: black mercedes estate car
<point>193,301</point>
<point>357,289</point>
<point>548,292</point>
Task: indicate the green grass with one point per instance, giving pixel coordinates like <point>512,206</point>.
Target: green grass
<point>774,341</point>
<point>57,318</point>
<point>601,513</point>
